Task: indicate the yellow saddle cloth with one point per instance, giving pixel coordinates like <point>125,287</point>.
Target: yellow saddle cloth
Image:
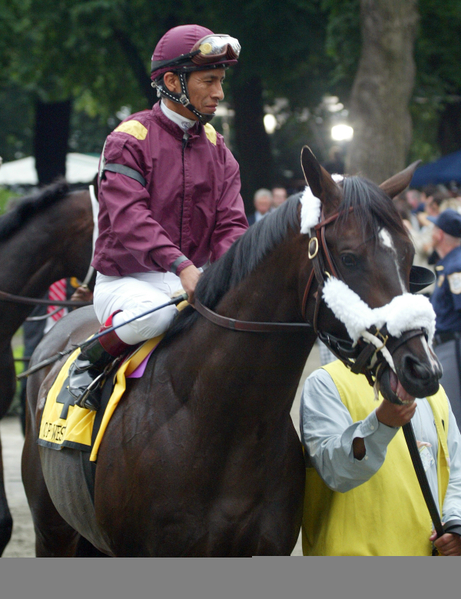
<point>67,425</point>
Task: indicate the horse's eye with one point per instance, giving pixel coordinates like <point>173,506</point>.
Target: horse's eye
<point>348,260</point>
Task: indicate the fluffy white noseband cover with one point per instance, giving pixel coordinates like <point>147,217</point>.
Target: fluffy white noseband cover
<point>404,313</point>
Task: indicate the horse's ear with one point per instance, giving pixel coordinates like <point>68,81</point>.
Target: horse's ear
<point>400,181</point>
<point>319,180</point>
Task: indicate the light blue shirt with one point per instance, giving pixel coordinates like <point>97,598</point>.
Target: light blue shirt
<point>327,433</point>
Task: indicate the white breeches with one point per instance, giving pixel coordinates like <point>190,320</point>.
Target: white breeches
<point>136,294</point>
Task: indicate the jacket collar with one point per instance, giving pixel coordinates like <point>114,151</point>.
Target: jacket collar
<point>171,127</point>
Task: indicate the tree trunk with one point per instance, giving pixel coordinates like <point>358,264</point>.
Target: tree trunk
<point>137,65</point>
<point>382,89</point>
<point>52,126</point>
<point>253,150</point>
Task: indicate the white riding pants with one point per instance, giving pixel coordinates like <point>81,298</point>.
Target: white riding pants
<point>136,294</point>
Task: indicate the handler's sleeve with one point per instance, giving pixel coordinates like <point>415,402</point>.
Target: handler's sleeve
<point>327,433</point>
<point>452,501</point>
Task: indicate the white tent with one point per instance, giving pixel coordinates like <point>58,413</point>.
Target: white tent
<point>80,168</point>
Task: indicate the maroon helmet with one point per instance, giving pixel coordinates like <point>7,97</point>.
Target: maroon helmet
<point>191,48</point>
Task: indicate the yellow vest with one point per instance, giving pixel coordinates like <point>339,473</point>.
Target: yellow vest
<point>387,515</point>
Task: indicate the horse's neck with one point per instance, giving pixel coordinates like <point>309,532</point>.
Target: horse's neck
<point>52,245</point>
<point>48,248</point>
<point>251,371</point>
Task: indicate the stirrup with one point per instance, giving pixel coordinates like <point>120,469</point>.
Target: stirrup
<point>90,399</point>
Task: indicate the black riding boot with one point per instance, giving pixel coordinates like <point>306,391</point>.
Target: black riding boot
<point>88,372</point>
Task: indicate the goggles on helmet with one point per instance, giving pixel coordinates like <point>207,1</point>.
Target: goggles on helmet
<point>213,47</point>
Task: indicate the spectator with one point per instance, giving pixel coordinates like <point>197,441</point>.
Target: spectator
<point>262,202</point>
<point>279,196</point>
<point>446,301</point>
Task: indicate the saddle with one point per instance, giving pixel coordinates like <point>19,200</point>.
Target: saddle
<point>65,424</point>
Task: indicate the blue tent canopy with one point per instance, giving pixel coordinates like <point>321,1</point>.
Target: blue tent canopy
<point>444,170</point>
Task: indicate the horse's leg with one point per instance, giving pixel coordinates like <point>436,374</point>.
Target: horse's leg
<point>53,536</point>
<point>7,389</point>
<point>7,378</point>
<point>6,522</point>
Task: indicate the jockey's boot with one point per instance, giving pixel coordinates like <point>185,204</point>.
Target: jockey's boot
<point>89,371</point>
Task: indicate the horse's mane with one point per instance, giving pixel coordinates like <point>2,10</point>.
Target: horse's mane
<point>27,207</point>
<point>373,209</point>
<point>242,258</point>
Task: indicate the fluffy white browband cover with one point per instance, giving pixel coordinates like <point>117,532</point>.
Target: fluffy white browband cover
<point>310,210</point>
<point>404,313</point>
<point>311,207</point>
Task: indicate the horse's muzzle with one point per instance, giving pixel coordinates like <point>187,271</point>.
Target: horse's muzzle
<point>416,368</point>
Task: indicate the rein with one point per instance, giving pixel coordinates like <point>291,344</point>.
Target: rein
<point>19,299</point>
<point>251,326</point>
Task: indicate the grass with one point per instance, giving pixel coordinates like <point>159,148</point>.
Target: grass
<point>18,349</point>
<point>5,196</point>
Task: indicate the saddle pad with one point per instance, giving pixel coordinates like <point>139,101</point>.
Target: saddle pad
<point>66,425</point>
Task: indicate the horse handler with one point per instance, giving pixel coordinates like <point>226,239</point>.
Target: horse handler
<point>169,196</point>
<point>362,496</point>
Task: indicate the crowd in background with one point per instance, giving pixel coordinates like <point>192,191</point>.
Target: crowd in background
<point>415,207</point>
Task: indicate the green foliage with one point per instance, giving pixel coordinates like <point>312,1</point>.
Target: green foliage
<point>438,48</point>
<point>5,196</point>
<point>343,43</point>
<point>98,52</point>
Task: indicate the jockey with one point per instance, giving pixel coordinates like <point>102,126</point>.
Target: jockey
<point>169,196</point>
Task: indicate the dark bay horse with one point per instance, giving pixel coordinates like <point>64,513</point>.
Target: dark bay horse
<point>201,457</point>
<point>45,237</point>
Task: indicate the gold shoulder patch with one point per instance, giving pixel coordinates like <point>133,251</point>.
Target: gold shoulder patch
<point>210,132</point>
<point>454,281</point>
<point>133,128</point>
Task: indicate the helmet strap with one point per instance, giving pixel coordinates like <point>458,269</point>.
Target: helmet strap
<point>182,98</point>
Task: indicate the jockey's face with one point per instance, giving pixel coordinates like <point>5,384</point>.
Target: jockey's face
<point>205,91</point>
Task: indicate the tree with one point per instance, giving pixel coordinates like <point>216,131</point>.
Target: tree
<point>437,106</point>
<point>383,86</point>
<point>96,53</point>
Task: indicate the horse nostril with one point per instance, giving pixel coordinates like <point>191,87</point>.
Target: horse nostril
<point>416,369</point>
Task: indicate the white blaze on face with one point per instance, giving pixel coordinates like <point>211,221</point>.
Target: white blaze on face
<point>386,241</point>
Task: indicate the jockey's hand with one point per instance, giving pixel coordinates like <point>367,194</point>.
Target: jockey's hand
<point>395,415</point>
<point>447,544</point>
<point>82,294</point>
<point>189,278</point>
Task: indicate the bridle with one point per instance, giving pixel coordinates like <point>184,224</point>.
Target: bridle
<point>360,358</point>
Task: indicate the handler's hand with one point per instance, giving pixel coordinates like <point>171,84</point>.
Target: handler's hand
<point>447,544</point>
<point>395,415</point>
<point>189,277</point>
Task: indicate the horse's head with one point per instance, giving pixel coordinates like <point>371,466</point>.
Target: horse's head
<point>362,259</point>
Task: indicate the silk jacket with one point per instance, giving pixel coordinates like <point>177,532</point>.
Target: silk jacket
<point>190,209</point>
